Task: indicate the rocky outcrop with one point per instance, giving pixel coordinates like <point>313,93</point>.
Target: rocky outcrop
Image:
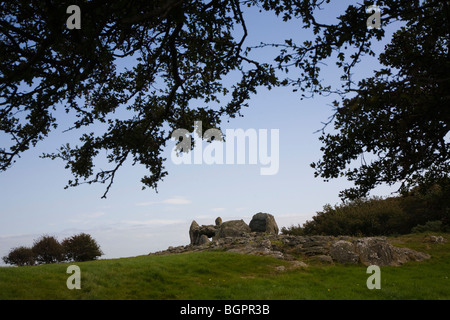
<point>377,251</point>
<point>342,251</point>
<point>263,222</point>
<point>324,249</point>
<point>373,251</point>
<point>435,239</point>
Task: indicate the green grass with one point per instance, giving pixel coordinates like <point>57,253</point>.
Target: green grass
<point>226,275</point>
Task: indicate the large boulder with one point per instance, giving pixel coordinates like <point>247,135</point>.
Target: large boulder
<point>263,222</point>
<point>203,240</point>
<point>232,228</point>
<point>378,251</point>
<point>343,251</point>
<point>375,251</point>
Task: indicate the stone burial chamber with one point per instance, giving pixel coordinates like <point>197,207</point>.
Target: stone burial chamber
<point>261,237</point>
<point>261,222</point>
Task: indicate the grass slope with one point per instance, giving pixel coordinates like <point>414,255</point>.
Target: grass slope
<point>226,275</point>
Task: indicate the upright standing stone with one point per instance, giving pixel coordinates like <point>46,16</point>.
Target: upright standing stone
<point>193,232</point>
<point>264,222</point>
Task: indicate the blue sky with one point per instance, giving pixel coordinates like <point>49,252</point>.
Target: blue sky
<point>132,222</point>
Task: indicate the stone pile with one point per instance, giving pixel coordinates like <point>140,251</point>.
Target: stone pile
<point>261,237</point>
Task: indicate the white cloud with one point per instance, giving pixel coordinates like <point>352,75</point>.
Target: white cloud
<point>218,209</point>
<point>153,222</point>
<point>86,217</point>
<point>95,214</point>
<point>178,200</point>
<point>145,204</point>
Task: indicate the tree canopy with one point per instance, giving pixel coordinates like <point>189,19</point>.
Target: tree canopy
<point>178,54</point>
<point>180,51</point>
<point>399,118</point>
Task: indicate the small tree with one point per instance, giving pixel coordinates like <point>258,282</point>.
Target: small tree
<point>47,249</point>
<point>20,256</point>
<point>81,247</point>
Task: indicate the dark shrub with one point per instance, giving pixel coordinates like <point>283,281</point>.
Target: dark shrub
<point>363,217</point>
<point>430,226</point>
<point>81,247</point>
<point>293,230</point>
<point>428,203</point>
<point>423,209</point>
<point>48,250</point>
<point>20,256</point>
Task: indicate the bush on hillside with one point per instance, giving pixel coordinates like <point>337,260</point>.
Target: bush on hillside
<point>47,249</point>
<point>430,226</point>
<point>20,256</point>
<point>428,203</point>
<point>368,217</point>
<point>377,216</point>
<point>293,230</point>
<point>81,247</point>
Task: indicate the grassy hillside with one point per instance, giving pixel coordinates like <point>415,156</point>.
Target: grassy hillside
<point>225,275</point>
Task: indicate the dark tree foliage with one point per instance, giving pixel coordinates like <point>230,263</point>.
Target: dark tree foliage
<point>20,256</point>
<point>47,249</point>
<point>392,127</point>
<point>81,247</point>
<point>416,211</point>
<point>398,119</point>
<point>178,53</point>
